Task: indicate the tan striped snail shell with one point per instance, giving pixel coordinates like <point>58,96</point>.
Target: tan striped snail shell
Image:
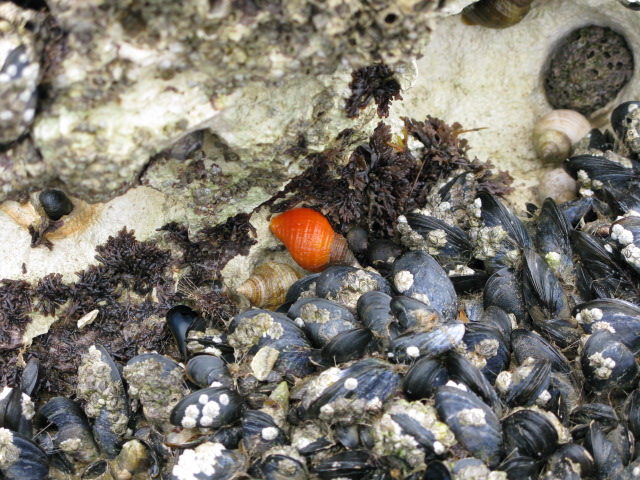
<point>496,13</point>
<point>268,284</point>
<point>555,134</point>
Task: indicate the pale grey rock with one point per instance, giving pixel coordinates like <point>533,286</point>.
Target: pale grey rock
<point>131,79</point>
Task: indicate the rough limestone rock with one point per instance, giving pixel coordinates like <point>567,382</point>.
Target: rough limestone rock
<point>124,80</point>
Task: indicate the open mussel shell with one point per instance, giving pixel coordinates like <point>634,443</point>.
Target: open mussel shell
<point>474,424</point>
<point>447,243</point>
<point>284,463</point>
<point>181,319</point>
<point>212,407</point>
<point>527,344</point>
<point>461,370</point>
<point>74,435</point>
<point>568,461</point>
<point>626,232</point>
<point>413,314</point>
<point>345,285</point>
<point>22,458</point>
<point>525,385</point>
<point>411,431</point>
<point>204,370</point>
<point>607,363</point>
<point>418,275</point>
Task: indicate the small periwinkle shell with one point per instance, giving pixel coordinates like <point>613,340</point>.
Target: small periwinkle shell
<point>55,203</point>
<point>555,134</point>
<point>268,284</point>
<point>496,13</point>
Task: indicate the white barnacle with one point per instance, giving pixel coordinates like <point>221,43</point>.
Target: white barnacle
<point>602,326</point>
<point>552,259</point>
<point>603,365</point>
<point>621,234</point>
<point>224,399</point>
<point>206,421</point>
<point>188,422</point>
<point>28,409</point>
<point>351,383</point>
<point>460,386</point>
<point>269,433</point>
<point>403,280</point>
<point>413,351</point>
<point>473,417</point>
<point>6,115</point>
<point>192,411</point>
<point>71,445</point>
<point>589,315</point>
<point>631,255</point>
<point>211,409</point>
<point>203,399</point>
<point>504,381</point>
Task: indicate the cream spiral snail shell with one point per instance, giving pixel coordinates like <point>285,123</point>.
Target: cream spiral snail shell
<point>555,134</point>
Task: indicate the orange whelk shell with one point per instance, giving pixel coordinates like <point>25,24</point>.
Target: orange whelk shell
<point>268,284</point>
<point>310,239</point>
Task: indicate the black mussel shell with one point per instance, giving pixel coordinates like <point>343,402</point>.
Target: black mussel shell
<point>323,319</point>
<point>607,363</point>
<point>381,254</point>
<point>487,346</point>
<point>504,290</point>
<point>413,314</point>
<point>461,370</point>
<point>416,274</point>
<point>353,464</point>
<point>527,344</point>
<point>345,285</point>
<point>529,433</point>
<point>606,458</point>
<point>442,338</point>
<point>72,425</point>
<point>303,285</point>
<point>212,407</point>
<point>346,346</point>
<point>203,370</point>
<point>374,310</point>
<point>24,460</point>
<point>260,433</point>
<point>424,376</point>
<point>473,423</point>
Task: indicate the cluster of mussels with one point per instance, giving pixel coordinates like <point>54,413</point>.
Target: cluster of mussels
<point>480,346</point>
